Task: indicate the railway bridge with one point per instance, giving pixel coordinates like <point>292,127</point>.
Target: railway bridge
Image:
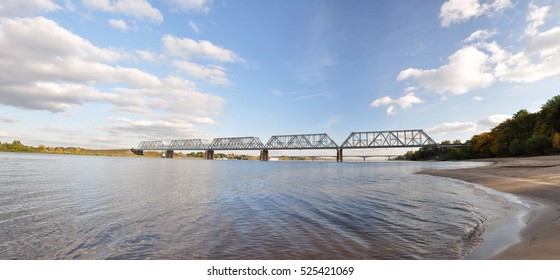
<point>320,141</point>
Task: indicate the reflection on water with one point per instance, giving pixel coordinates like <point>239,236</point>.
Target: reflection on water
<point>74,207</point>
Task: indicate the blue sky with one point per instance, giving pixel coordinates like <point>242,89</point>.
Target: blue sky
<point>108,74</point>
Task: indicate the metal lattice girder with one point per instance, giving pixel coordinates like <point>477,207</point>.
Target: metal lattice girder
<point>388,139</point>
<point>189,144</point>
<point>301,141</point>
<point>237,143</point>
<point>170,145</point>
<point>154,145</point>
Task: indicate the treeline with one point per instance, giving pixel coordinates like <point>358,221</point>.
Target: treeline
<point>17,146</point>
<point>524,134</point>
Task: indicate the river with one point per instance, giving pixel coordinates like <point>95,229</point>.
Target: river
<point>88,207</point>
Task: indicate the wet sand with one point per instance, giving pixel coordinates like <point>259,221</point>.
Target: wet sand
<point>536,179</point>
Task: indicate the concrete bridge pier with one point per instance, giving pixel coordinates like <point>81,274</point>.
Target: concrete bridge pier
<point>339,155</point>
<point>209,154</point>
<point>264,155</point>
<point>169,154</point>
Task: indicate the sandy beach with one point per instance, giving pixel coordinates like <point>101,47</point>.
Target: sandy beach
<point>536,179</point>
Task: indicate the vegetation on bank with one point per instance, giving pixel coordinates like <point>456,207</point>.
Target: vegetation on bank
<point>17,146</point>
<point>524,134</point>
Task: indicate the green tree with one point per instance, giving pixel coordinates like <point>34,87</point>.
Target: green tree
<point>549,121</point>
<point>538,144</point>
<point>515,148</point>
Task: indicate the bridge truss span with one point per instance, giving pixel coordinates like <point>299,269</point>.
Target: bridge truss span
<point>301,141</point>
<point>237,143</point>
<point>388,139</point>
<point>190,144</point>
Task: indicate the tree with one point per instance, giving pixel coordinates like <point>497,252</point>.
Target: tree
<point>481,143</point>
<point>549,121</point>
<point>515,148</point>
<point>538,144</point>
<point>556,140</point>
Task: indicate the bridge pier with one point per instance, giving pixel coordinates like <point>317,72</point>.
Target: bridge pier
<point>169,154</point>
<point>209,154</point>
<point>264,155</point>
<point>339,155</point>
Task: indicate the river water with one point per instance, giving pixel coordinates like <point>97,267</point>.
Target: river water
<point>86,207</point>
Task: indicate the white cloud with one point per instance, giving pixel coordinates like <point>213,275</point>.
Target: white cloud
<point>139,9</point>
<point>455,11</point>
<point>213,73</point>
<point>536,18</point>
<point>483,63</point>
<point>391,110</point>
<point>148,56</point>
<point>187,48</point>
<point>477,98</point>
<point>467,69</point>
<point>452,128</point>
<point>405,102</point>
<point>149,129</point>
<point>46,67</point>
<point>192,5</point>
<point>118,24</point>
<point>467,129</point>
<point>6,119</point>
<point>490,122</point>
<point>480,35</point>
<point>14,8</point>
<point>194,27</point>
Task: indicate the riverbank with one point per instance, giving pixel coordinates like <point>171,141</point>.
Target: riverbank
<point>536,179</point>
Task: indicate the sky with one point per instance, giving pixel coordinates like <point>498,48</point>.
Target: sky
<point>111,73</point>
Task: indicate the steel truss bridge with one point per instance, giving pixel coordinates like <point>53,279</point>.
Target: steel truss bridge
<point>322,141</point>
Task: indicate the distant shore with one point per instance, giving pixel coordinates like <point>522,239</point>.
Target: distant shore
<point>534,178</point>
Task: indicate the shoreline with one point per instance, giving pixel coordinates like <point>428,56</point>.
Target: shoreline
<point>535,179</point>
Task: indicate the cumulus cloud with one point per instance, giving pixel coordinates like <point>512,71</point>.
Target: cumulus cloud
<point>118,24</point>
<point>18,8</point>
<point>188,48</point>
<point>139,9</point>
<point>405,102</point>
<point>148,56</point>
<point>467,128</point>
<point>452,127</point>
<point>148,129</point>
<point>492,121</point>
<point>213,73</point>
<point>482,63</point>
<point>536,18</point>
<point>46,67</point>
<point>466,70</point>
<point>455,11</point>
<point>480,35</point>
<point>192,5</point>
